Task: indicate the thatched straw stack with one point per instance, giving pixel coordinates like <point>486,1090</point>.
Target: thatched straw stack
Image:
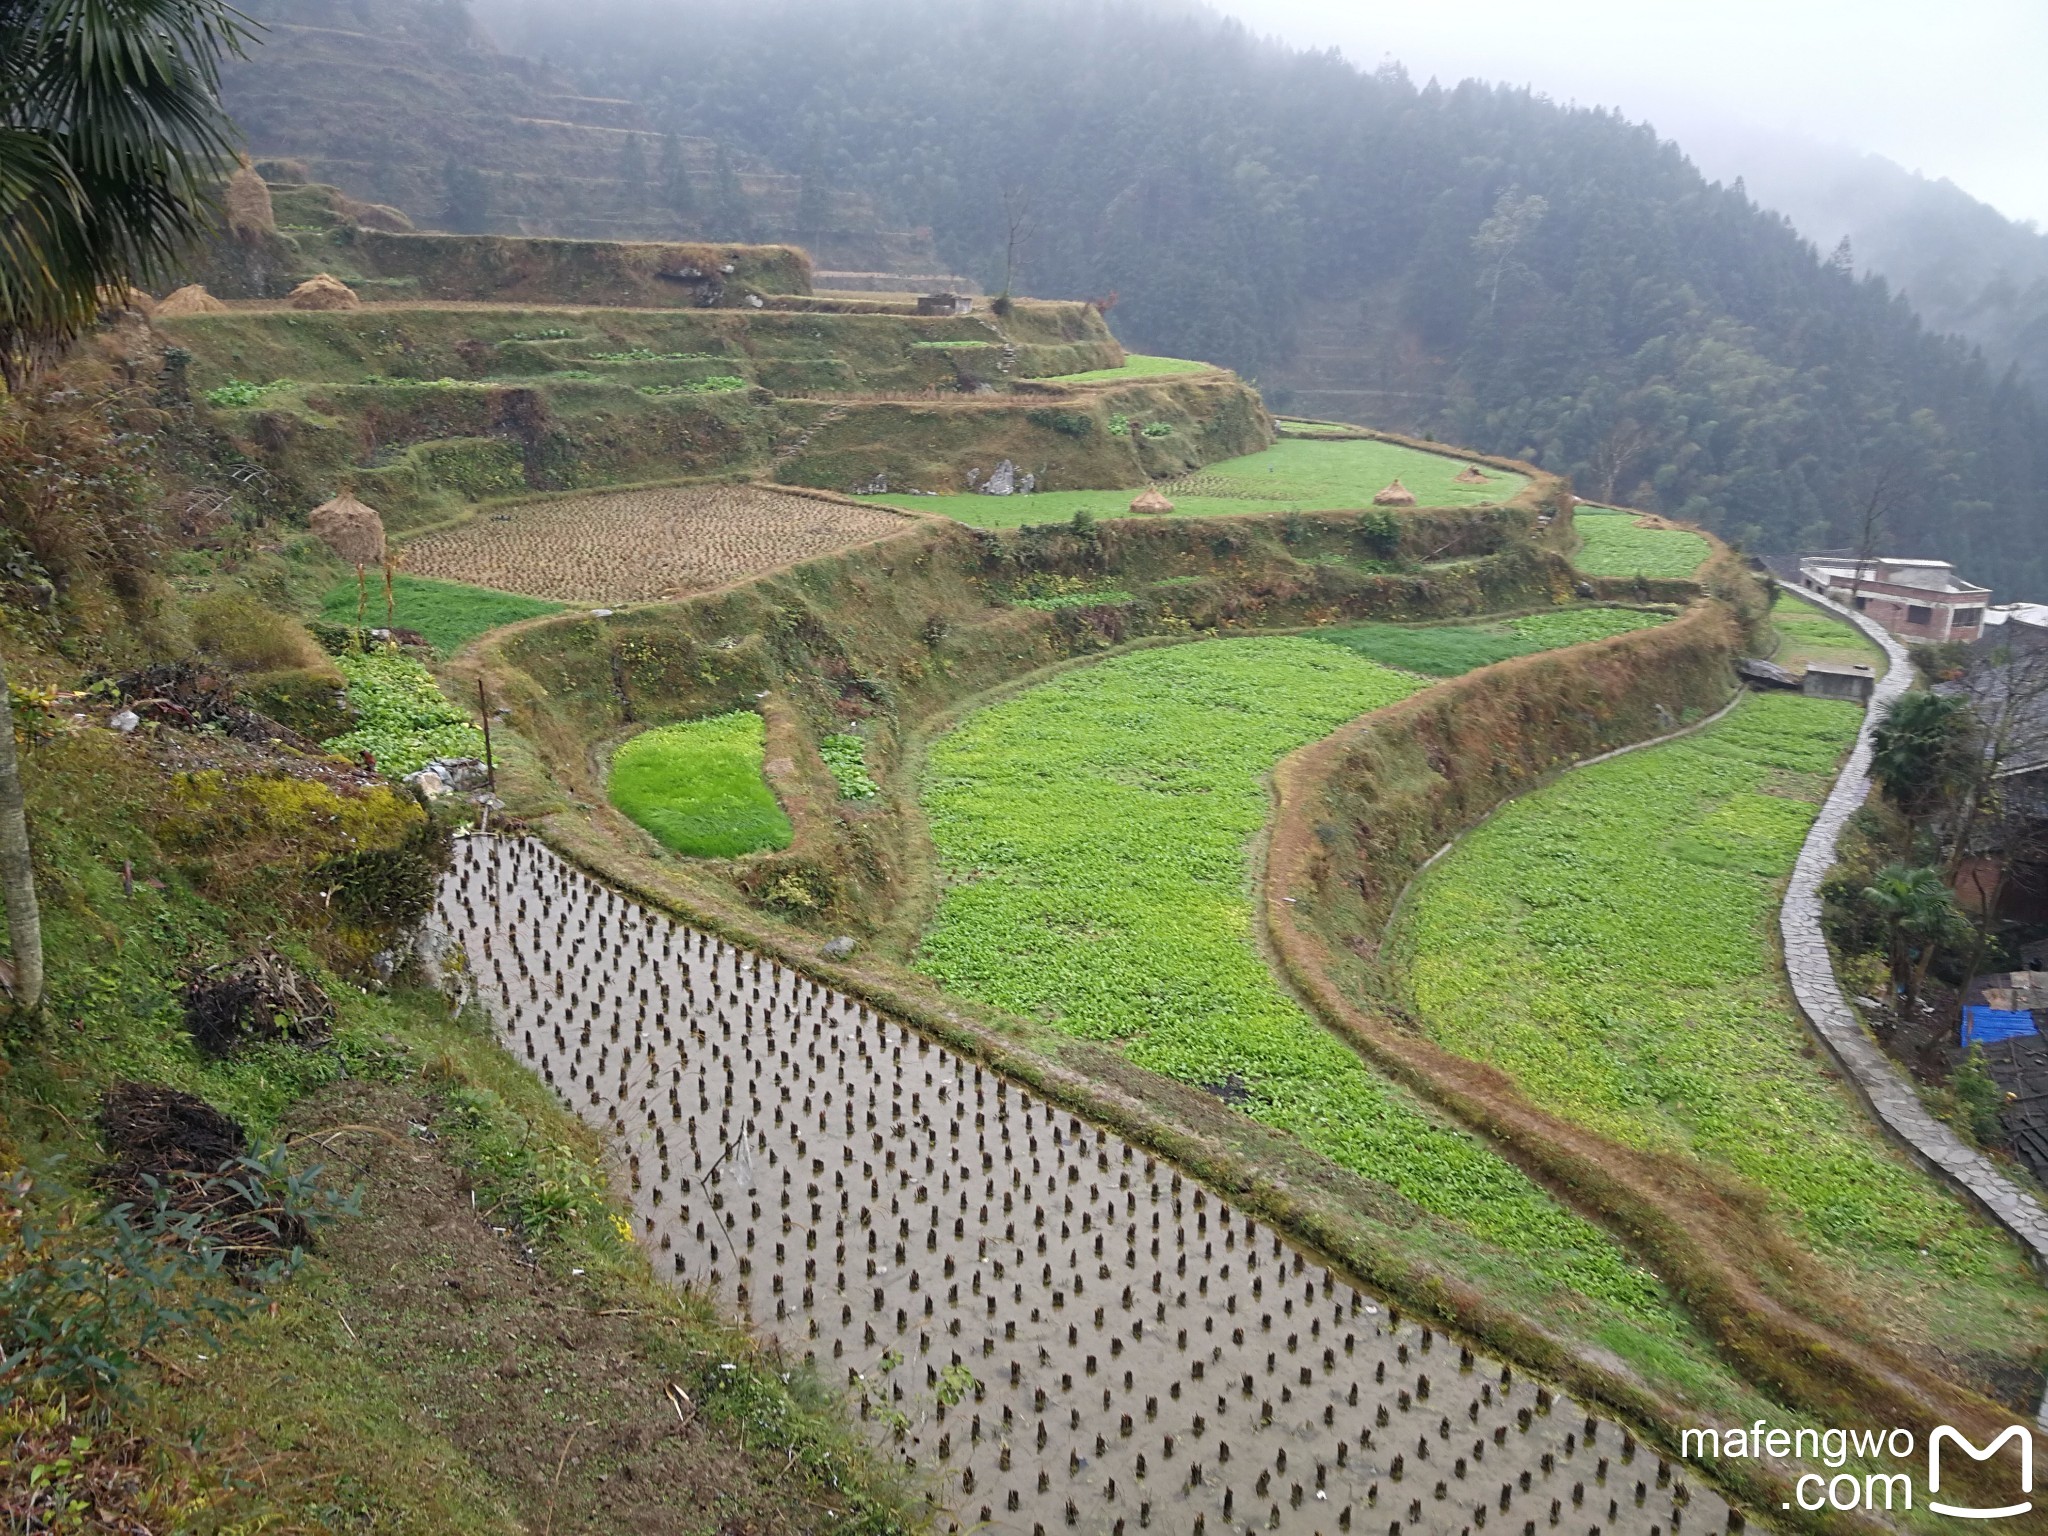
<point>323,291</point>
<point>352,530</point>
<point>250,216</point>
<point>116,297</point>
<point>189,300</point>
<point>1395,495</point>
<point>1150,503</point>
<point>1471,475</point>
<point>356,533</point>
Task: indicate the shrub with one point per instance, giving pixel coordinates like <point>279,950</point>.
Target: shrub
<point>308,700</point>
<point>1978,1100</point>
<point>1066,423</point>
<point>239,632</point>
<point>1380,532</point>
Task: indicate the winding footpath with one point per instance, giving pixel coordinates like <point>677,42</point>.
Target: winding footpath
<point>1882,1086</point>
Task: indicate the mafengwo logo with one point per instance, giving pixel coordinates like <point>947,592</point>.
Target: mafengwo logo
<point>1943,1435</point>
<point>2010,1455</point>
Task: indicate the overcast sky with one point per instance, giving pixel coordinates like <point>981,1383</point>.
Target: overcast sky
<point>1950,88</point>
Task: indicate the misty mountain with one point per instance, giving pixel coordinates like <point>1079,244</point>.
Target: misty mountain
<point>1533,279</point>
<point>1965,266</point>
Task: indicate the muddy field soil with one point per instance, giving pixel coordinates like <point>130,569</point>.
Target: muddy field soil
<point>1058,1330</point>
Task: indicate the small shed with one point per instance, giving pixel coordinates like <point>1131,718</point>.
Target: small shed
<point>943,304</point>
<point>1835,680</point>
<point>1759,673</point>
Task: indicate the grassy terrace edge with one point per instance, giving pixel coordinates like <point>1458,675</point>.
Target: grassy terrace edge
<point>1422,771</point>
<point>549,771</point>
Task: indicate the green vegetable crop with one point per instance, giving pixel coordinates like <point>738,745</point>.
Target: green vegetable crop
<point>1093,834</point>
<point>404,720</point>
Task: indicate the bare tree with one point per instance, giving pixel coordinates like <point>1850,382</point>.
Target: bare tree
<point>1501,238</point>
<point>17,871</point>
<point>1883,487</point>
<point>1017,230</point>
<point>1626,441</point>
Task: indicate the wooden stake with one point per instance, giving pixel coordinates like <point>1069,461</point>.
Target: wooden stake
<point>490,763</point>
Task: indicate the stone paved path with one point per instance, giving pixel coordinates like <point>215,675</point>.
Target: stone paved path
<point>1882,1086</point>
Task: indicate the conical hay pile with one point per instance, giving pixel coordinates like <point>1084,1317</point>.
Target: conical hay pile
<point>323,291</point>
<point>1151,503</point>
<point>1395,495</point>
<point>352,530</point>
<point>189,300</point>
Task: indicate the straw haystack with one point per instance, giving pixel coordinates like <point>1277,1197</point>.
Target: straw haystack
<point>1395,495</point>
<point>356,533</point>
<point>250,216</point>
<point>116,297</point>
<point>1471,475</point>
<point>188,300</point>
<point>323,291</point>
<point>1150,503</point>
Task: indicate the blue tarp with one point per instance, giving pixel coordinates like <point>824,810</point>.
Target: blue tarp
<point>1982,1025</point>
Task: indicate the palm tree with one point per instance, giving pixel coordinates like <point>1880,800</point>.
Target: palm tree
<point>112,141</point>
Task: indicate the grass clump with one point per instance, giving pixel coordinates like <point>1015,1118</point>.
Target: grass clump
<point>402,718</point>
<point>1137,366</point>
<point>846,757</point>
<point>1613,544</point>
<point>1093,837</point>
<point>1447,650</point>
<point>697,787</point>
<point>1607,942</point>
<point>448,613</point>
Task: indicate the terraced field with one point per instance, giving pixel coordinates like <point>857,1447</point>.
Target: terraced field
<point>642,546</point>
<point>893,1214</point>
<point>1628,544</point>
<point>1094,834</point>
<point>1607,942</point>
<point>1298,475</point>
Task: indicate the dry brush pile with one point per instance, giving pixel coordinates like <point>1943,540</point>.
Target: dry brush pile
<point>641,546</point>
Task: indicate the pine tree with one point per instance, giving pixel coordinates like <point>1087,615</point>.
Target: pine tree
<point>731,218</point>
<point>677,194</point>
<point>632,173</point>
<point>467,208</point>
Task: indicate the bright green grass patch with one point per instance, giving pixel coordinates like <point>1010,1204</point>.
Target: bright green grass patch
<point>1612,545</point>
<point>846,759</point>
<point>1607,942</point>
<point>698,787</point>
<point>448,613</point>
<point>1806,633</point>
<point>1136,366</point>
<point>402,718</point>
<point>1291,476</point>
<point>1093,835</point>
<point>1059,600</point>
<point>1446,650</point>
<point>1314,428</point>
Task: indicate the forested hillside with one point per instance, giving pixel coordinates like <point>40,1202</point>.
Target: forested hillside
<point>1531,279</point>
<point>1966,267</point>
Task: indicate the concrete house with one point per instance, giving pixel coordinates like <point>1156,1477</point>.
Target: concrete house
<point>1914,599</point>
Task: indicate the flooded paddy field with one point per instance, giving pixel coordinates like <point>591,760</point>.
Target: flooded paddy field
<point>1059,1330</point>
